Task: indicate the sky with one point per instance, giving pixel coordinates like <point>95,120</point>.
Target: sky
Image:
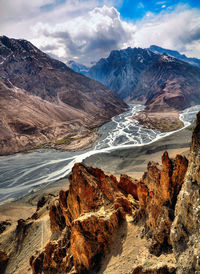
<point>87,30</point>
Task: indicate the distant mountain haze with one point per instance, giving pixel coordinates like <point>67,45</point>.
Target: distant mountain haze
<point>77,67</point>
<point>41,99</point>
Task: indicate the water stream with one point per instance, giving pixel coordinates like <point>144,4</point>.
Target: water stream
<point>25,172</point>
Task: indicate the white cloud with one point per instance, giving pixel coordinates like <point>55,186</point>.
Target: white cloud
<point>178,30</point>
<point>89,30</point>
<point>89,36</point>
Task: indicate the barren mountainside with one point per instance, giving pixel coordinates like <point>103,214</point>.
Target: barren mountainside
<point>122,69</point>
<point>159,81</point>
<point>43,100</point>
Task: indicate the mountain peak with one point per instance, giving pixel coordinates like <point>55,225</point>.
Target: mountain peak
<point>175,54</point>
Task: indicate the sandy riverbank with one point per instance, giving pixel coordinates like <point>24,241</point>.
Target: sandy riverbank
<point>133,161</point>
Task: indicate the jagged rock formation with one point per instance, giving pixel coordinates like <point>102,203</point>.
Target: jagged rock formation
<point>86,217</point>
<point>165,202</point>
<point>160,81</point>
<point>159,189</point>
<point>185,230</point>
<point>42,100</point>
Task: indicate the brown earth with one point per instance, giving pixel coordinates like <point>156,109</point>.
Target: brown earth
<point>163,121</point>
<point>42,101</point>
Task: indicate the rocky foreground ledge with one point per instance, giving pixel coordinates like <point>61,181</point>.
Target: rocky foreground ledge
<point>157,216</point>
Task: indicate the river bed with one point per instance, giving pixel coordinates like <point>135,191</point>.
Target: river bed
<point>26,172</point>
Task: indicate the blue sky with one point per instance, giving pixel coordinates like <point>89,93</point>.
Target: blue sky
<point>86,30</point>
<point>136,10</point>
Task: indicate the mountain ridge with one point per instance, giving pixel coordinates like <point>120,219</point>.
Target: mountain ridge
<point>191,60</point>
<point>77,103</point>
<point>134,71</point>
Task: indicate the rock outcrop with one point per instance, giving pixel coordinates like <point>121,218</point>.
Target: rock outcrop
<point>185,231</point>
<point>157,194</point>
<point>86,216</point>
<point>162,207</point>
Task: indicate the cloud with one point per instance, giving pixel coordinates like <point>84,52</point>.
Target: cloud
<point>88,37</point>
<point>88,30</point>
<point>178,30</point>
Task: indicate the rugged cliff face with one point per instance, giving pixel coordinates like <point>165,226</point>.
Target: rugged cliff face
<point>185,230</point>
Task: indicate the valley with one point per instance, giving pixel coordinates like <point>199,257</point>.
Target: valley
<point>59,128</point>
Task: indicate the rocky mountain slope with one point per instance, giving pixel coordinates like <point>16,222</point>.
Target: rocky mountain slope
<point>122,69</point>
<point>159,81</point>
<point>175,54</point>
<point>169,84</point>
<point>105,225</point>
<point>42,100</point>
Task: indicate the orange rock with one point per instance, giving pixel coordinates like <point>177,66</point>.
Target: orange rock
<point>57,220</point>
<point>91,236</point>
<point>128,185</point>
<point>91,210</point>
<point>157,193</point>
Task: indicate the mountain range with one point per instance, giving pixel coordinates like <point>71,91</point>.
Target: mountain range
<point>42,100</point>
<point>175,54</point>
<point>160,81</point>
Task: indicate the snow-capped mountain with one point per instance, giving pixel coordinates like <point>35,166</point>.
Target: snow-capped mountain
<point>176,54</point>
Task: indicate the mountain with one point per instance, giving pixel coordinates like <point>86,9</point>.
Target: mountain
<point>42,100</point>
<point>175,54</point>
<point>156,80</point>
<point>77,67</point>
<point>169,84</point>
<point>122,69</point>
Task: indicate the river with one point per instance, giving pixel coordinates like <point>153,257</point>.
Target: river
<point>24,172</point>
